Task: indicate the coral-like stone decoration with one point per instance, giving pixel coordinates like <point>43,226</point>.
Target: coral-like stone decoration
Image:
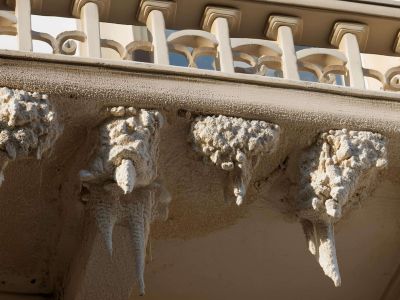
<point>28,126</point>
<point>235,145</point>
<point>123,180</point>
<point>342,168</point>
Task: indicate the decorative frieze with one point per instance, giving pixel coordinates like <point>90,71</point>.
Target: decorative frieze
<point>122,180</point>
<point>235,145</point>
<point>28,126</point>
<point>339,170</point>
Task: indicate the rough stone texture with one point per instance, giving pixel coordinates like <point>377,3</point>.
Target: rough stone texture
<point>340,169</point>
<point>235,145</point>
<point>122,179</point>
<point>28,126</point>
<point>128,150</point>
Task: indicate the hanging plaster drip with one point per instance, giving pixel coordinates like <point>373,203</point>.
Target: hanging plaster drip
<point>106,218</point>
<point>136,227</point>
<point>3,164</point>
<point>123,180</point>
<point>235,145</point>
<point>321,241</point>
<point>325,240</point>
<point>340,169</point>
<point>140,215</point>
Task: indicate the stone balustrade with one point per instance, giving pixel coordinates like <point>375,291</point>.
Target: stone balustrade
<point>285,51</point>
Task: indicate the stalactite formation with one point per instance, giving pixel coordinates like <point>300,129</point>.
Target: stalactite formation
<point>123,179</point>
<point>28,126</point>
<point>340,169</point>
<point>235,145</point>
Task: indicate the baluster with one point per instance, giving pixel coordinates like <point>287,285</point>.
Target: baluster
<point>24,29</point>
<point>154,14</point>
<point>89,12</point>
<point>350,38</point>
<point>140,33</point>
<point>221,22</point>
<point>91,26</point>
<point>284,30</point>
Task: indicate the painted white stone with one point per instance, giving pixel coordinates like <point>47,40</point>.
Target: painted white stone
<point>123,179</point>
<point>340,169</point>
<point>235,145</point>
<point>28,126</point>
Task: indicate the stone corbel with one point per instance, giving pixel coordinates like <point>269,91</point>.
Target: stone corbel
<point>338,171</point>
<point>235,145</point>
<point>122,181</point>
<point>28,126</point>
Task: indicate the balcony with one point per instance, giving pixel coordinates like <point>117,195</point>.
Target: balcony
<point>246,133</point>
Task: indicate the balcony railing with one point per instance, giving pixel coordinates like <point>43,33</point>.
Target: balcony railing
<point>328,43</point>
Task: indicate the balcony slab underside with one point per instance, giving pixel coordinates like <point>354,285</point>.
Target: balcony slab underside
<point>50,219</point>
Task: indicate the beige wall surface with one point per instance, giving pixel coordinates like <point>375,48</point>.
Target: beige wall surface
<point>260,254</point>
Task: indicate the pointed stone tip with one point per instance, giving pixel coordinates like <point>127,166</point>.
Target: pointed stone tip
<point>337,281</point>
<point>239,200</point>
<point>109,248</point>
<point>125,176</point>
<point>311,248</point>
<point>141,287</point>
<point>105,222</point>
<point>327,252</point>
